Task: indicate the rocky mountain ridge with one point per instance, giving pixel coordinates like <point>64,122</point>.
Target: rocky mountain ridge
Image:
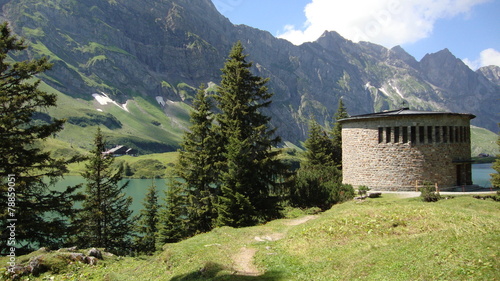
<point>162,50</point>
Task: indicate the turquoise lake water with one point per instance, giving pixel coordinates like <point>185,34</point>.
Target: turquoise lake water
<point>137,188</point>
<point>481,174</point>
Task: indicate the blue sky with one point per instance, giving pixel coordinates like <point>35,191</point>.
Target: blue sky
<point>470,29</point>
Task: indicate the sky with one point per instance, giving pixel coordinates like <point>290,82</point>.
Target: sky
<point>470,29</point>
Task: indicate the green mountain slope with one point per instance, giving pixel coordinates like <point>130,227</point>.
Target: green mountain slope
<point>483,141</point>
<point>139,123</point>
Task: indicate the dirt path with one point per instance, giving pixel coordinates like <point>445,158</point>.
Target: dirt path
<point>243,260</point>
<point>300,221</point>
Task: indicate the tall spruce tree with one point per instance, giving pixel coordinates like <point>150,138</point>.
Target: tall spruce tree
<point>148,222</point>
<point>196,165</point>
<point>36,214</point>
<point>336,133</point>
<point>319,147</point>
<point>105,220</point>
<point>174,215</point>
<point>249,167</point>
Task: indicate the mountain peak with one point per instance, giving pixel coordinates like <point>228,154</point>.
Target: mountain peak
<point>332,40</point>
<point>491,72</point>
<point>400,53</point>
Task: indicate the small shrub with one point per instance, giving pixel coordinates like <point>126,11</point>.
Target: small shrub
<point>428,194</point>
<point>363,189</point>
<point>319,186</point>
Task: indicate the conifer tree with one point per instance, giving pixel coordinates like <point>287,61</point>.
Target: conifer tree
<point>147,222</point>
<point>319,148</point>
<point>38,214</point>
<point>249,168</point>
<point>196,165</point>
<point>235,205</point>
<point>173,217</point>
<point>105,220</point>
<point>336,133</point>
<point>495,178</point>
<point>318,182</point>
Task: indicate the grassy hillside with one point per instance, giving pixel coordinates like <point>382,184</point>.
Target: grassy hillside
<point>144,166</point>
<point>388,238</point>
<point>483,141</point>
<point>140,123</point>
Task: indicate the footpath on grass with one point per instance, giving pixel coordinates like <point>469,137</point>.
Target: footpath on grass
<point>243,260</point>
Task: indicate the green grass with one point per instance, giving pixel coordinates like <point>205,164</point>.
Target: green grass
<point>378,239</point>
<point>483,141</point>
<point>145,124</point>
<point>168,159</point>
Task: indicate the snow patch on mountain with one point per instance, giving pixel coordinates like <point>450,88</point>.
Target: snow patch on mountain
<point>160,100</point>
<point>104,99</point>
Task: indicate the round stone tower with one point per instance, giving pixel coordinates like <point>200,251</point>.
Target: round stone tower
<point>401,149</point>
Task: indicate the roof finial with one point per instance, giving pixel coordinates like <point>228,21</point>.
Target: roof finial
<point>405,105</point>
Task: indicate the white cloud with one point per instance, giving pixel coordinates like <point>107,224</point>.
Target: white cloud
<point>487,57</point>
<point>472,64</point>
<point>385,22</point>
<point>490,57</point>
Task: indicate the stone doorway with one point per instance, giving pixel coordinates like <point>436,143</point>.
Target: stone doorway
<point>464,174</point>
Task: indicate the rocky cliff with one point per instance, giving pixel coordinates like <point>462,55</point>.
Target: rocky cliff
<point>161,50</point>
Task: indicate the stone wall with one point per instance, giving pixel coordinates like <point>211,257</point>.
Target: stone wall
<point>398,152</point>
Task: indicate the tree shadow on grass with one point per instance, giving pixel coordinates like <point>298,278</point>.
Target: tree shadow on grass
<point>213,271</point>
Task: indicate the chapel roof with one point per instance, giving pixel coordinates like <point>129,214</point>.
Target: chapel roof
<point>403,112</point>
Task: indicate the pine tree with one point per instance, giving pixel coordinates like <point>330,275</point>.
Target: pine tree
<point>26,171</point>
<point>147,222</point>
<point>105,220</point>
<point>173,217</point>
<point>318,182</point>
<point>495,178</point>
<point>249,167</point>
<point>235,206</point>
<point>336,133</point>
<point>319,148</point>
<point>196,165</point>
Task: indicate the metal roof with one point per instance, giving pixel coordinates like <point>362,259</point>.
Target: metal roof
<point>402,112</point>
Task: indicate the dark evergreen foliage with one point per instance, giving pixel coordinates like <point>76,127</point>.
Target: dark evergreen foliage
<point>249,168</point>
<point>318,182</point>
<point>41,214</point>
<point>196,165</point>
<point>173,217</point>
<point>105,220</point>
<point>336,133</point>
<point>319,147</point>
<point>148,221</point>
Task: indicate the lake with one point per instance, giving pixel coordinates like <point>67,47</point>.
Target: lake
<point>481,174</point>
<point>137,188</point>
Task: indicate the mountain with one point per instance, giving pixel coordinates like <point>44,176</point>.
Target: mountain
<point>491,73</point>
<point>134,66</point>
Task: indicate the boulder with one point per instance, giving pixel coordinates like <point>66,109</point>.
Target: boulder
<point>95,253</point>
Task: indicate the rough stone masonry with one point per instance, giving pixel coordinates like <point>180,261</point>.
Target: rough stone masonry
<point>401,149</point>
